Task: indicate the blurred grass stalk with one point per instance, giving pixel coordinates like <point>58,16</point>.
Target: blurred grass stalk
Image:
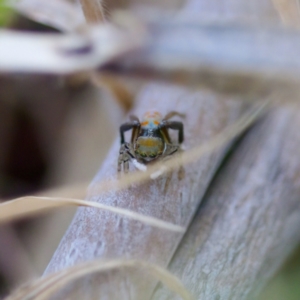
<point>6,14</point>
<point>93,11</point>
<point>238,60</point>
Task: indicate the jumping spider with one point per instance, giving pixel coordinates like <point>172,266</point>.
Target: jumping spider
<point>150,139</point>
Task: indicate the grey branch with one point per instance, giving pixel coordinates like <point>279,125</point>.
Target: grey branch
<point>173,197</point>
<point>248,223</point>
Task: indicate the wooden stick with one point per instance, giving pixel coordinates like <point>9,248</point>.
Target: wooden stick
<point>173,197</point>
<point>249,220</point>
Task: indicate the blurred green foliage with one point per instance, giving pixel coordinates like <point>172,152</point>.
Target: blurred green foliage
<point>6,14</point>
<point>286,285</point>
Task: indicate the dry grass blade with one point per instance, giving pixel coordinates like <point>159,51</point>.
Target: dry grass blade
<point>65,53</point>
<point>188,156</point>
<point>93,11</point>
<point>60,14</point>
<point>43,289</point>
<point>76,190</point>
<point>289,12</point>
<point>196,54</point>
<point>261,62</point>
<point>120,92</point>
<point>24,290</point>
<point>26,206</point>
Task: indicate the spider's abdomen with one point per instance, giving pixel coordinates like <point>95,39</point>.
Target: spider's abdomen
<point>149,148</point>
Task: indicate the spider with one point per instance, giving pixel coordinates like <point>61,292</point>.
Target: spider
<point>150,139</point>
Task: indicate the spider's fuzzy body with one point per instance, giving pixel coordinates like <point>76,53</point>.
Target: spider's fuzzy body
<point>150,138</point>
<point>150,142</point>
<point>148,148</point>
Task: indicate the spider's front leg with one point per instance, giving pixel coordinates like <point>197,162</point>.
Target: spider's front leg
<point>134,124</point>
<point>175,125</point>
<point>125,155</point>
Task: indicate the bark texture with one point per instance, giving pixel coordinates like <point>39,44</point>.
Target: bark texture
<point>249,220</point>
<point>247,224</point>
<point>173,197</point>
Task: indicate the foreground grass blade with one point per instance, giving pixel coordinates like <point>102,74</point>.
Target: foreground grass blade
<point>44,288</point>
<point>30,205</point>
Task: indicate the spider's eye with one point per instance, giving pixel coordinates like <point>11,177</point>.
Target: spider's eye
<point>143,155</point>
<point>152,155</point>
